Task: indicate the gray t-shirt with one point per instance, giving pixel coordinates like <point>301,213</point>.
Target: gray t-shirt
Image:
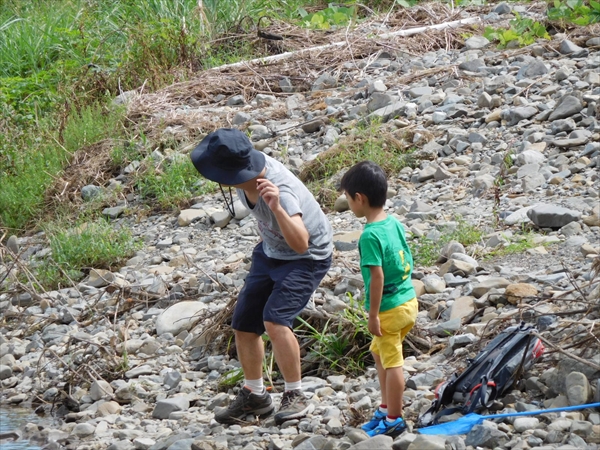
<point>294,198</point>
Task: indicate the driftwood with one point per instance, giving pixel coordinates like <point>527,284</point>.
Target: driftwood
<point>409,32</point>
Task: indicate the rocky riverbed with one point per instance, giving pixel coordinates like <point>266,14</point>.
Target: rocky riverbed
<point>123,358</point>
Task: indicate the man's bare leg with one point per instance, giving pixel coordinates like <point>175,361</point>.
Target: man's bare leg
<point>286,350</point>
<point>251,351</point>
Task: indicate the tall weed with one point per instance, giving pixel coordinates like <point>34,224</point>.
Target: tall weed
<point>31,43</point>
<point>92,124</point>
<point>340,345</point>
<point>28,161</point>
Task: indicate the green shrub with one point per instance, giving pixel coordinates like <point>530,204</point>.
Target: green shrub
<point>332,16</point>
<point>579,12</point>
<point>523,31</point>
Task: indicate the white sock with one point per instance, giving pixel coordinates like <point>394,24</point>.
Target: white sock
<point>256,386</point>
<point>383,410</point>
<point>296,385</point>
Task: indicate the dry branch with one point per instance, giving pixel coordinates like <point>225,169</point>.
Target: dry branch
<point>570,355</point>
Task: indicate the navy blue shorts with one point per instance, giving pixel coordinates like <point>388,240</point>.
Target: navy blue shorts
<point>276,291</point>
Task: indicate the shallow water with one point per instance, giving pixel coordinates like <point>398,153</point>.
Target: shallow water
<point>12,419</point>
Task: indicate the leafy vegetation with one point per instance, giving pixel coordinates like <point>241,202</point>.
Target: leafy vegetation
<point>64,61</point>
<point>76,248</point>
<point>578,12</point>
<point>170,183</point>
<point>426,250</point>
<point>332,16</point>
<point>523,31</point>
<point>342,346</point>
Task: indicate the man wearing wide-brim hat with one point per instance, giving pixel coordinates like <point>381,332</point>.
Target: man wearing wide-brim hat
<point>287,266</point>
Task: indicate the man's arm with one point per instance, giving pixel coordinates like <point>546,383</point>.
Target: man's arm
<point>292,228</point>
<point>375,294</point>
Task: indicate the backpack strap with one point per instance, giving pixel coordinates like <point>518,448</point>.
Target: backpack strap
<point>479,395</point>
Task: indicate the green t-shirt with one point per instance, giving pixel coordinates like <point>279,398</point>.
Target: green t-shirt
<point>384,244</point>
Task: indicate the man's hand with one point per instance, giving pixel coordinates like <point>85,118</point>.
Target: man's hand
<point>269,192</point>
<point>292,228</point>
<point>374,327</point>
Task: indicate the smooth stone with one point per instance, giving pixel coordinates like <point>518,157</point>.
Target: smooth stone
<point>178,317</point>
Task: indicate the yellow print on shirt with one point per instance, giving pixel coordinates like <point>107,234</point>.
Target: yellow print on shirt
<point>405,265</point>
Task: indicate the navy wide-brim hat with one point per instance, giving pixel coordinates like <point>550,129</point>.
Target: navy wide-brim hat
<point>227,157</point>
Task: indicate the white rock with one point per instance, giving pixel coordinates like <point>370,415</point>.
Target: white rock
<point>178,317</point>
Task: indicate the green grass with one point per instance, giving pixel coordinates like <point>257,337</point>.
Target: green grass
<point>520,243</point>
<point>64,60</point>
<point>230,379</point>
<point>26,174</point>
<point>341,345</point>
<point>171,183</point>
<point>91,124</point>
<point>31,159</point>
<point>369,142</point>
<point>75,248</point>
<point>426,251</point>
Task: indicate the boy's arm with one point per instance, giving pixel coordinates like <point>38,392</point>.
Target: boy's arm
<point>292,228</point>
<point>375,294</point>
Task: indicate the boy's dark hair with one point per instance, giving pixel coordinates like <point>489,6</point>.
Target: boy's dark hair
<point>366,178</point>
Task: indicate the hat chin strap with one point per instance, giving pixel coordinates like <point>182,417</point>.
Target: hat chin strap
<point>228,204</point>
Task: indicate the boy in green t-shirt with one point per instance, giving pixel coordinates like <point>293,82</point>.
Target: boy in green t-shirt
<point>386,265</point>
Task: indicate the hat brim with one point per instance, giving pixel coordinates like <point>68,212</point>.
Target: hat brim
<point>227,176</point>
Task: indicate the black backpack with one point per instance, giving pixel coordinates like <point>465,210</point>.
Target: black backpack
<point>493,371</point>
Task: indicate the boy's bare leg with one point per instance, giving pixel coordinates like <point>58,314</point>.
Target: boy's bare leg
<point>286,350</point>
<point>395,386</point>
<point>251,351</point>
<point>381,374</point>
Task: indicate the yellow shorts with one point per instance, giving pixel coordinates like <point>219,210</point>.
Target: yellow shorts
<point>395,325</point>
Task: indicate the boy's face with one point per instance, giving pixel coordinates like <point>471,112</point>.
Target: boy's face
<point>356,204</point>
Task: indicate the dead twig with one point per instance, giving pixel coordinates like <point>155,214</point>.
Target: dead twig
<point>569,355</point>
